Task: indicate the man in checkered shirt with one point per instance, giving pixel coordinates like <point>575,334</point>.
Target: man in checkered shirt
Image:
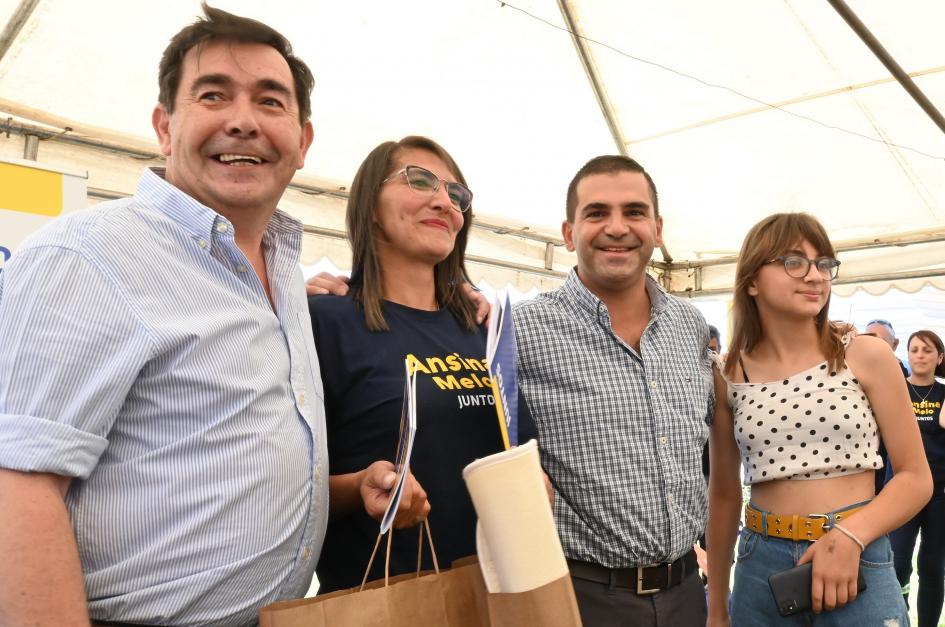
<point>618,378</point>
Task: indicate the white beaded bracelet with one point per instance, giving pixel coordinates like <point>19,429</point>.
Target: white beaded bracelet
<point>850,535</point>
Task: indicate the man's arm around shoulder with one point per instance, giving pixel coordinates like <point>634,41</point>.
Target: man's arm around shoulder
<point>41,576</point>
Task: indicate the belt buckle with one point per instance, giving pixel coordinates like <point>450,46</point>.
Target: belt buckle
<point>826,526</point>
<point>644,591</point>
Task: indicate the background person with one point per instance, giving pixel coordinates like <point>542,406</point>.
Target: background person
<point>926,354</point>
<point>799,406</point>
<point>883,329</point>
<point>715,345</point>
<point>715,339</point>
<point>408,218</point>
<point>161,426</point>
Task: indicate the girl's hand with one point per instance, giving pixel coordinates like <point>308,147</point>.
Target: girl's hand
<point>836,561</point>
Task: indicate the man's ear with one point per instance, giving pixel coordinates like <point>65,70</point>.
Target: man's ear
<point>895,343</point>
<point>659,231</point>
<point>305,142</point>
<point>161,121</point>
<point>567,232</point>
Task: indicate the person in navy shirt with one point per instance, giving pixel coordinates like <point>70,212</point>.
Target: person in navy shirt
<point>409,215</point>
<point>926,355</point>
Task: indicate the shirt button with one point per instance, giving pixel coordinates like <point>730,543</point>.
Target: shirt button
<point>653,384</point>
<point>670,498</point>
<point>664,440</point>
<point>301,399</point>
<point>221,228</point>
<point>306,553</point>
<point>202,243</point>
<point>241,268</point>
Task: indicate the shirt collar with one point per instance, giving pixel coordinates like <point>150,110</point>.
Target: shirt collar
<point>576,290</point>
<point>198,219</point>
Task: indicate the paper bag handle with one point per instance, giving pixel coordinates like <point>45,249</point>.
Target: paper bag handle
<point>390,535</point>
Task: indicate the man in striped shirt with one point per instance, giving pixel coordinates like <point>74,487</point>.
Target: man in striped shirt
<point>618,378</point>
<point>162,437</point>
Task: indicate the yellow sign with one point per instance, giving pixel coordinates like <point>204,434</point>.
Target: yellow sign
<point>30,190</point>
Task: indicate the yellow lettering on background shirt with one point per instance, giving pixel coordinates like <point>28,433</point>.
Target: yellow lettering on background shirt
<point>435,364</point>
<point>440,367</point>
<point>454,362</point>
<point>415,364</point>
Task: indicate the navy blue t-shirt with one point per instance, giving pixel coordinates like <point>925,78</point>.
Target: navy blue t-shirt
<point>927,404</point>
<point>363,375</point>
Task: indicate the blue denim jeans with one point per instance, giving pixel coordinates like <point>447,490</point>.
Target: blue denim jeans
<point>931,521</point>
<point>759,556</point>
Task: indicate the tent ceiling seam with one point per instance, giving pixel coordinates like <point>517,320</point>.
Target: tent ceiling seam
<point>15,24</point>
<point>900,240</point>
<point>887,60</point>
<point>894,151</point>
<point>778,105</point>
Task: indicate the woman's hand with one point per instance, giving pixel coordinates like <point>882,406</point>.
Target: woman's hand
<point>326,283</point>
<point>483,308</point>
<point>836,561</point>
<point>376,483</point>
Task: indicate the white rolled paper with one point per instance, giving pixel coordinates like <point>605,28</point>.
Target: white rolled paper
<point>516,539</point>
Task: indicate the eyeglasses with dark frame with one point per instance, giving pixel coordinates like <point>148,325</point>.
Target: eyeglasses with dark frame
<point>423,181</point>
<point>797,266</point>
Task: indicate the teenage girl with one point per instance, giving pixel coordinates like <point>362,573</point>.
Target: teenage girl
<point>799,405</point>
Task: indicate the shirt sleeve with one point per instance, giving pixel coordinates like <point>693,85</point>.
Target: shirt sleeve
<point>70,349</point>
<point>711,361</point>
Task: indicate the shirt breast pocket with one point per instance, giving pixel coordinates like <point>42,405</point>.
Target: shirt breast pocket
<point>694,391</point>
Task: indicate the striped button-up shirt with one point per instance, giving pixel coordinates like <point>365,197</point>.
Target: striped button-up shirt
<point>621,431</point>
<point>140,355</point>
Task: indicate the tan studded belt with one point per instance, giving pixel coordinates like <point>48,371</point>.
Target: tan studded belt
<point>794,527</point>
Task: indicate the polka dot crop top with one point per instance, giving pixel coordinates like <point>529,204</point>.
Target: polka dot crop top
<point>811,425</point>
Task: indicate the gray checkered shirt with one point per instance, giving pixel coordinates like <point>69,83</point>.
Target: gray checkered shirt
<point>621,432</point>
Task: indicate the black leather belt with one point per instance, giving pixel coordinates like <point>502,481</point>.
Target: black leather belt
<point>110,623</point>
<point>648,579</point>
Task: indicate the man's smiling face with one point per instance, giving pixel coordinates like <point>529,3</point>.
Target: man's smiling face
<point>614,232</point>
<point>234,140</point>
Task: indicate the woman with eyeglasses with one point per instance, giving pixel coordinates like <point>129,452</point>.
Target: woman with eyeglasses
<point>799,405</point>
<point>408,217</point>
<point>926,355</point>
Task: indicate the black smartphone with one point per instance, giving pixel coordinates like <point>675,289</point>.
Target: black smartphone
<point>791,589</point>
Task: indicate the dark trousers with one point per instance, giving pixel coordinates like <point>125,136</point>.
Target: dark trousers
<point>931,563</point>
<point>602,605</point>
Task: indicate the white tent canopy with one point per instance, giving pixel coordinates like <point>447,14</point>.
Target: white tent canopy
<point>738,108</point>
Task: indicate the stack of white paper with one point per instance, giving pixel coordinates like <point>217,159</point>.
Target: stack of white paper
<point>408,430</point>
